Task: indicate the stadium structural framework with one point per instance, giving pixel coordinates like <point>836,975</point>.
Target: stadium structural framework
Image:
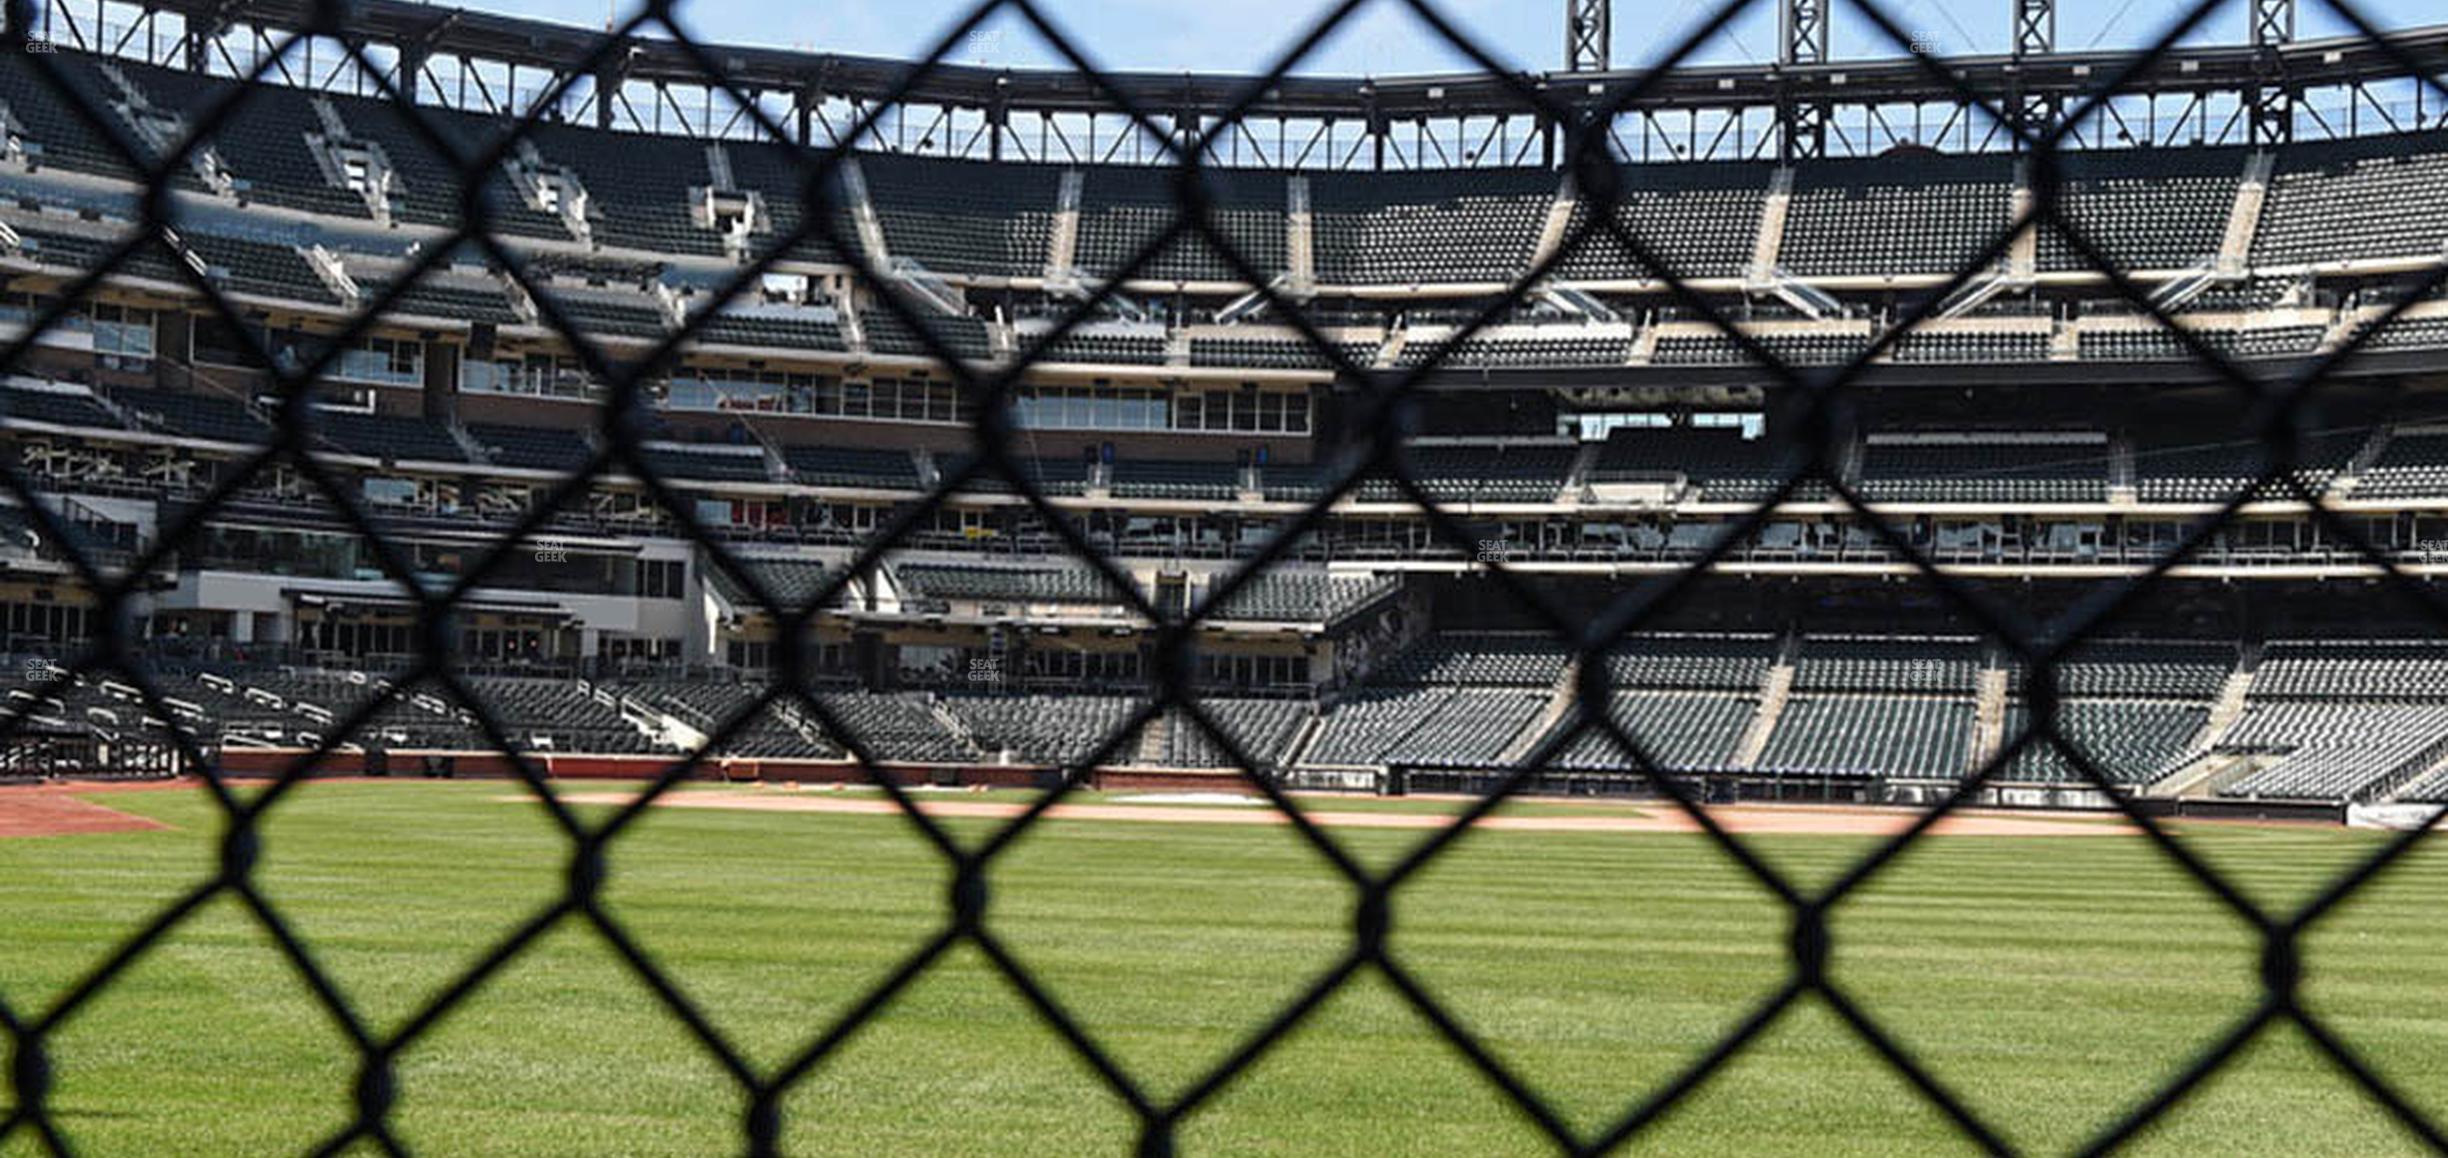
<point>2049,430</point>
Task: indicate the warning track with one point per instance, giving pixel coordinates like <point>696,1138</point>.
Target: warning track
<point>1798,819</point>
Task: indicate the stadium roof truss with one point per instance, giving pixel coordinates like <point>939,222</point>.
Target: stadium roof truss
<point>2272,89</point>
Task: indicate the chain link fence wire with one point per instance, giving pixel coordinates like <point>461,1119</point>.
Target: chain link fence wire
<point>2274,407</point>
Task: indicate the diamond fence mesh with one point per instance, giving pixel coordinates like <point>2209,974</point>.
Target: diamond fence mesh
<point>115,651</point>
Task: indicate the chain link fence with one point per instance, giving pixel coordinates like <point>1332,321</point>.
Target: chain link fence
<point>1383,399</point>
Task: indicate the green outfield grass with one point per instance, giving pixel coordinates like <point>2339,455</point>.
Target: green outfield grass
<point>2050,981</point>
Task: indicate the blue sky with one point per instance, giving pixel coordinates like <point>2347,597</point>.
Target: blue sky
<point>1385,38</point>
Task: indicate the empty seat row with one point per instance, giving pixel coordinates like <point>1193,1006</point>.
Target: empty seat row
<point>2124,742</point>
<point>1886,664</point>
<point>1908,737</point>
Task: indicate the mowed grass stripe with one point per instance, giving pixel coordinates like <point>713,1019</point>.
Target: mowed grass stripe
<point>2049,981</point>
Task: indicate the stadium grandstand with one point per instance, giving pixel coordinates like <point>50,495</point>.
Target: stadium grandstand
<point>1606,397</point>
<point>591,588</point>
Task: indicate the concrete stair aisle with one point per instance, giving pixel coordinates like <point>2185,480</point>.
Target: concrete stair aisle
<point>1300,234</point>
<point>1768,244</point>
<point>1988,718</point>
<point>1561,696</point>
<point>1775,689</point>
<point>2228,710</point>
<point>1576,478</point>
<point>959,730</point>
<point>2364,456</point>
<point>1062,241</point>
<point>1154,739</point>
<point>2244,218</point>
<point>1559,216</point>
<point>1297,751</point>
<point>2205,773</point>
<point>2023,256</point>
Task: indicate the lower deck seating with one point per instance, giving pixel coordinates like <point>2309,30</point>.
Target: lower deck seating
<point>1664,661</point>
<point>559,716</point>
<point>778,730</point>
<point>2126,742</point>
<point>1498,660</point>
<point>1361,728</point>
<point>2373,670</point>
<point>1887,664</point>
<point>2332,751</point>
<point>1264,730</point>
<point>1470,728</point>
<point>1436,726</point>
<point>897,728</point>
<point>2430,788</point>
<point>2155,669</point>
<point>2335,719</point>
<point>1681,731</point>
<point>2327,721</point>
<point>1883,736</point>
<point>1045,729</point>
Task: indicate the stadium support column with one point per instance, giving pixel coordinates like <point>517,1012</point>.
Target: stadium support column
<point>1378,128</point>
<point>1589,35</point>
<point>2035,34</point>
<point>1802,32</point>
<point>2273,99</point>
<point>1188,131</point>
<point>2035,27</point>
<point>2273,22</point>
<point>411,71</point>
<point>808,102</point>
<point>1802,39</point>
<point>197,45</point>
<point>414,51</point>
<point>609,80</point>
<point>998,118</point>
